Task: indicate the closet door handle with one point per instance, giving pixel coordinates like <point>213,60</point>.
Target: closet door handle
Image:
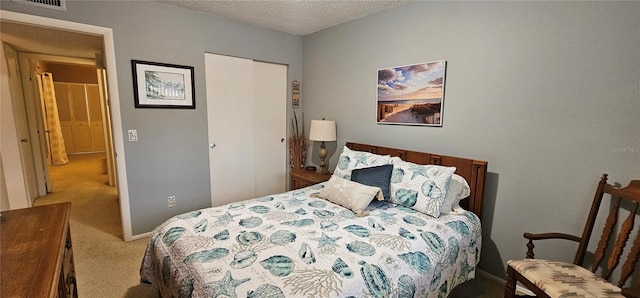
<point>282,140</point>
<point>24,140</point>
<point>212,145</point>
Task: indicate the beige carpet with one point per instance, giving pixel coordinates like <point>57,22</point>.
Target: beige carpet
<point>106,266</point>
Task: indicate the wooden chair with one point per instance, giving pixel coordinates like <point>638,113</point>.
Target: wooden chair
<point>558,279</point>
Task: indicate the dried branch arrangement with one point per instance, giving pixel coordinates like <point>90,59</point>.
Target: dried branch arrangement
<point>298,143</point>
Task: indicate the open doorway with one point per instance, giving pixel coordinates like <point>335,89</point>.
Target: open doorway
<point>43,36</point>
<point>77,136</point>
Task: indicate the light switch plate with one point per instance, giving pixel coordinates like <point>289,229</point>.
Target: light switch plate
<point>133,135</point>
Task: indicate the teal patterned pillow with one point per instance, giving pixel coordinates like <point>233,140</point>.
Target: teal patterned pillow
<point>350,160</point>
<point>420,187</point>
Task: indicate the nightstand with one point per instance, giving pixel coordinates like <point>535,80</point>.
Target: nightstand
<point>304,178</point>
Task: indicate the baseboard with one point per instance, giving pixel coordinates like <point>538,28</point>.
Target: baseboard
<point>140,236</point>
<point>520,289</point>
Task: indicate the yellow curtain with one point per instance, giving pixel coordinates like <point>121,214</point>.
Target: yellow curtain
<point>57,150</point>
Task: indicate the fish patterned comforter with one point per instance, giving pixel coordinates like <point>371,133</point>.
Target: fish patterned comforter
<point>297,245</point>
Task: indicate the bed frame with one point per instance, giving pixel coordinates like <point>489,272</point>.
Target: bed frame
<point>474,171</point>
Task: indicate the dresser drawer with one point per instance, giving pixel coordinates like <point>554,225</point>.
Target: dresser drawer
<point>68,270</point>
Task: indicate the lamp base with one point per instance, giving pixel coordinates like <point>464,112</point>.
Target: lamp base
<point>322,166</point>
<point>322,169</point>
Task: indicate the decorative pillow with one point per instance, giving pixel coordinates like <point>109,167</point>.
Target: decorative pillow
<point>420,187</point>
<point>379,176</point>
<point>458,190</point>
<point>349,194</point>
<point>350,160</point>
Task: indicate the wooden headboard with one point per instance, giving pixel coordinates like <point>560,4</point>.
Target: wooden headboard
<point>474,171</point>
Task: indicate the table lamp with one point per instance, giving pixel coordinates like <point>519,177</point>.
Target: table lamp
<point>322,130</point>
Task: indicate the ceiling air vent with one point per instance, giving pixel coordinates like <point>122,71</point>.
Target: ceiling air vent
<point>54,4</point>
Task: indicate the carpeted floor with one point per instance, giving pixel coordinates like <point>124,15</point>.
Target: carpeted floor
<point>106,266</point>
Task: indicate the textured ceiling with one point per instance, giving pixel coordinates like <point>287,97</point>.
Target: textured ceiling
<point>295,17</point>
<point>300,17</point>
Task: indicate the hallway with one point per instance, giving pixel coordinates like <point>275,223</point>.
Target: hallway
<point>106,266</point>
<point>83,182</point>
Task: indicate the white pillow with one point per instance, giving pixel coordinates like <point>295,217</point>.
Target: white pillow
<point>349,194</point>
<point>350,160</point>
<point>420,187</point>
<point>458,190</point>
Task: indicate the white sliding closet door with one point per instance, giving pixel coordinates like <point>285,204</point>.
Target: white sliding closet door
<point>246,103</point>
<point>270,127</point>
<point>230,117</point>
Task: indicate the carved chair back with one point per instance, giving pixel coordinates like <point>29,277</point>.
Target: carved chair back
<point>611,235</point>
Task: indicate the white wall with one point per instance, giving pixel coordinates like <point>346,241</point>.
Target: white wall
<point>547,92</point>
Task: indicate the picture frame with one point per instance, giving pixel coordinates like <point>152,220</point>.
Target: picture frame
<point>162,85</point>
<point>411,94</point>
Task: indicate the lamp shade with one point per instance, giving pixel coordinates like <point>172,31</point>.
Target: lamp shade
<point>322,130</point>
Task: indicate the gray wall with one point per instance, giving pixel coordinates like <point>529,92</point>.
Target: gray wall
<point>547,92</point>
<point>171,157</point>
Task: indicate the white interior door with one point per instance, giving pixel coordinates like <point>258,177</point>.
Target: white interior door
<point>35,120</point>
<point>231,122</point>
<point>15,155</point>
<point>270,94</point>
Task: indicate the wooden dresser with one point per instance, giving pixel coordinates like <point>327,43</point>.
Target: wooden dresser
<point>36,253</point>
<point>304,178</point>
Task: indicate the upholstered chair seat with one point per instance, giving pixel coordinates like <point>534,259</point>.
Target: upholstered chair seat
<point>559,279</point>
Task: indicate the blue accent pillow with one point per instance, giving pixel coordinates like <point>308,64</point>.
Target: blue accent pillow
<point>379,176</point>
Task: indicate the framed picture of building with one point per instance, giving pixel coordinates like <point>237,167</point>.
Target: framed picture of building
<point>161,85</point>
<point>411,94</point>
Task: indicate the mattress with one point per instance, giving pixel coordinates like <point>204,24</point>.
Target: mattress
<point>295,244</point>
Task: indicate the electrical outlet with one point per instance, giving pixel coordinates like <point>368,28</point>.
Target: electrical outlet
<point>171,202</point>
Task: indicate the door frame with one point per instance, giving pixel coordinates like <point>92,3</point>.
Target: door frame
<point>114,99</point>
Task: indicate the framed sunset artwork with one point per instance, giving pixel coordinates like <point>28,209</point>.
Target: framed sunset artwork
<point>411,94</point>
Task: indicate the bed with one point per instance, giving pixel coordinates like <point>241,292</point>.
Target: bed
<point>309,243</point>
